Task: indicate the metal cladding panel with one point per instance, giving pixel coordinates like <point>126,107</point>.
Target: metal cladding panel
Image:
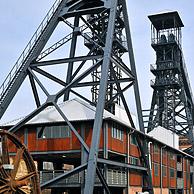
<point>165,136</point>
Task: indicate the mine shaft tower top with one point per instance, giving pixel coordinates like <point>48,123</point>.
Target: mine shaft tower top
<point>166,27</point>
<point>172,102</point>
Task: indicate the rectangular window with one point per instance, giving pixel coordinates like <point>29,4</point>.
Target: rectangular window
<point>156,169</point>
<point>134,161</point>
<point>164,153</point>
<point>171,172</point>
<point>117,133</point>
<point>51,132</point>
<point>164,171</point>
<point>172,156</point>
<point>156,149</point>
<point>133,139</point>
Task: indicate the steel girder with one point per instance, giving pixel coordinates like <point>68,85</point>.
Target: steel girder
<point>101,25</point>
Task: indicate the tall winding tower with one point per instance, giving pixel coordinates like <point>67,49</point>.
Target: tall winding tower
<point>172,102</point>
<point>98,67</point>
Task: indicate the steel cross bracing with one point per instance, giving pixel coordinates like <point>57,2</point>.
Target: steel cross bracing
<point>99,27</point>
<point>172,102</point>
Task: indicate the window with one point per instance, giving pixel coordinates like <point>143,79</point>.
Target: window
<point>156,149</point>
<point>156,169</point>
<point>172,156</point>
<point>171,172</point>
<point>117,133</point>
<point>164,153</point>
<point>134,161</point>
<point>133,140</point>
<point>164,171</point>
<point>48,132</point>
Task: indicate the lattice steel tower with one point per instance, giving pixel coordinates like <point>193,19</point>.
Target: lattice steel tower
<point>172,101</point>
<point>96,29</point>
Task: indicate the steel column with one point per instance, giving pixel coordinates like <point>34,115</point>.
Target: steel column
<point>93,155</point>
<point>72,54</point>
<point>133,68</point>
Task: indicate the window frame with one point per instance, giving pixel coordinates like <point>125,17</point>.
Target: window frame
<point>51,134</point>
<point>172,170</point>
<point>117,132</point>
<point>133,140</point>
<point>156,174</point>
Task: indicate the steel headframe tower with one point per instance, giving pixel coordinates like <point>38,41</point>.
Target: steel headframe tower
<point>172,102</point>
<point>101,24</point>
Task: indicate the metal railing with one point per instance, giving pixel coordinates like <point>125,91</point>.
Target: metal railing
<point>114,177</point>
<point>164,82</point>
<point>164,40</point>
<point>164,65</point>
<point>55,46</point>
<point>28,48</point>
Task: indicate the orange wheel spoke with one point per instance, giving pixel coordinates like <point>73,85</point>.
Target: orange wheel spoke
<point>3,173</point>
<point>2,180</point>
<point>18,157</point>
<point>21,191</point>
<point>4,188</point>
<point>26,177</point>
<point>5,156</point>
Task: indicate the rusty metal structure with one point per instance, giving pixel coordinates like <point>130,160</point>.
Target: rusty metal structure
<point>11,180</point>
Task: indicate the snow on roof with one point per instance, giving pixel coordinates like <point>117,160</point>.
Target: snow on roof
<point>74,110</point>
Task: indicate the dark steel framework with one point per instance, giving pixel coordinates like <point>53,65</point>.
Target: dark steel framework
<point>102,25</point>
<point>172,102</point>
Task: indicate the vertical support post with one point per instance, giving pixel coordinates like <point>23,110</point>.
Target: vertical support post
<point>133,68</point>
<point>72,54</point>
<point>105,149</point>
<point>136,91</point>
<point>84,156</point>
<point>93,155</point>
<point>193,179</point>
<point>128,161</point>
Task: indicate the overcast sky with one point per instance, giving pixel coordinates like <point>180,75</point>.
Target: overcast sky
<point>19,20</point>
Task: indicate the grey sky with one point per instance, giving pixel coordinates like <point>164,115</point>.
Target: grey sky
<point>19,20</point>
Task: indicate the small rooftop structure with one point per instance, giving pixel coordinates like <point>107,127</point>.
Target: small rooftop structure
<point>166,20</point>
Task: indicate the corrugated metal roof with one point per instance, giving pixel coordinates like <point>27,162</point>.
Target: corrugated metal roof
<point>74,110</point>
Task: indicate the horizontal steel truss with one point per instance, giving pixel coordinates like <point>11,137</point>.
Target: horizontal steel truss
<point>34,60</point>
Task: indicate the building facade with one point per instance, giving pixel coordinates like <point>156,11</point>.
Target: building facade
<point>56,150</point>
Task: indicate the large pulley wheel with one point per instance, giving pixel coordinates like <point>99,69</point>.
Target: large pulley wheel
<point>18,174</point>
